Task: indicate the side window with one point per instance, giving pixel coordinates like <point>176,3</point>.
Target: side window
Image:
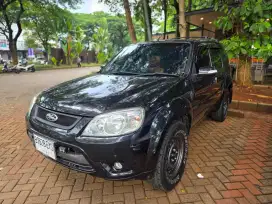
<point>203,58</point>
<point>216,58</point>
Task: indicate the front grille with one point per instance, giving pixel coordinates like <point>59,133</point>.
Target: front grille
<point>63,121</point>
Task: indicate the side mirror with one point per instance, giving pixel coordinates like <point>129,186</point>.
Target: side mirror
<point>101,68</point>
<point>207,70</point>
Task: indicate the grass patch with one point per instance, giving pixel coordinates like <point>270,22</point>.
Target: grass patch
<point>41,67</point>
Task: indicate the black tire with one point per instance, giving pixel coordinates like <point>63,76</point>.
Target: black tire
<point>33,69</point>
<point>165,178</point>
<point>221,113</point>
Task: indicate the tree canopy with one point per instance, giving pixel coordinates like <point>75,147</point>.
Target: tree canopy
<point>251,26</point>
<point>12,12</point>
<point>45,23</point>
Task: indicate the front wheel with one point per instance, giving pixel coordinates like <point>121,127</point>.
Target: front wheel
<point>33,69</point>
<point>172,157</point>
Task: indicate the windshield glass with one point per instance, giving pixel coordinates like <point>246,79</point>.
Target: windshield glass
<point>168,58</point>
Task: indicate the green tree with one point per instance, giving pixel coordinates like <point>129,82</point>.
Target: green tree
<point>118,32</point>
<point>102,45</point>
<point>30,41</point>
<point>115,24</point>
<point>11,13</point>
<point>66,42</point>
<point>115,5</point>
<point>79,35</point>
<point>251,27</point>
<point>45,23</point>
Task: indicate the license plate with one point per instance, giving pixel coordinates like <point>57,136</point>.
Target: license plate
<point>45,146</point>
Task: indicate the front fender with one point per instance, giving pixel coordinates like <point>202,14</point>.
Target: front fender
<point>171,111</point>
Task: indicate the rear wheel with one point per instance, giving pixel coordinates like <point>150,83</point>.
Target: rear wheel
<point>33,69</point>
<point>221,113</point>
<point>172,157</point>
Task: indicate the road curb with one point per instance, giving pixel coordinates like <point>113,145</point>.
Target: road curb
<point>236,113</point>
<point>251,106</point>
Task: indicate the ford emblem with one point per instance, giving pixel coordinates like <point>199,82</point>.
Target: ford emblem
<point>51,117</point>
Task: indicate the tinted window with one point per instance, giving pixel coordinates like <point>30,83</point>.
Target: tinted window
<point>150,58</point>
<point>216,58</point>
<point>203,58</point>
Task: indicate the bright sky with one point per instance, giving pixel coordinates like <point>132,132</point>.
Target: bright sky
<point>89,6</point>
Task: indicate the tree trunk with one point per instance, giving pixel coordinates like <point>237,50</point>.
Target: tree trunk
<point>244,71</point>
<point>188,19</point>
<point>130,25</point>
<point>143,20</point>
<point>147,20</point>
<point>182,26</point>
<point>46,53</point>
<point>164,7</point>
<point>69,41</point>
<point>176,5</point>
<point>13,50</point>
<point>149,15</point>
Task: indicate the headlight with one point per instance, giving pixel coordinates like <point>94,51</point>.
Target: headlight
<point>33,101</point>
<point>115,123</point>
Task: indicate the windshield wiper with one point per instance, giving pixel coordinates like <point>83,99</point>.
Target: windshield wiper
<point>160,74</point>
<point>124,73</point>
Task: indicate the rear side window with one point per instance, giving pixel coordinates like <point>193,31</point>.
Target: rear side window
<point>216,59</point>
<point>203,58</point>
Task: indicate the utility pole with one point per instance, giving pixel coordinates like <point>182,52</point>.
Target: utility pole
<point>149,35</point>
<point>182,22</point>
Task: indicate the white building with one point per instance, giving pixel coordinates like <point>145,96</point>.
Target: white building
<point>4,45</point>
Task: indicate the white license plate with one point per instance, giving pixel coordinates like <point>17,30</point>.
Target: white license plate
<point>45,146</point>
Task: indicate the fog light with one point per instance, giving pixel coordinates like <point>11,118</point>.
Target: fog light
<point>117,166</point>
<point>62,149</point>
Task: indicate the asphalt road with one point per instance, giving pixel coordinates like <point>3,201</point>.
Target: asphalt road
<point>14,87</point>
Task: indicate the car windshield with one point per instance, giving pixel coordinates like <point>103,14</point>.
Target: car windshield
<point>160,58</point>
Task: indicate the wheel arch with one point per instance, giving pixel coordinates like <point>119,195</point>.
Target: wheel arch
<point>176,110</point>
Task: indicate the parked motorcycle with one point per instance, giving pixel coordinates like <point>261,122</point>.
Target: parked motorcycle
<point>25,67</point>
<point>7,69</point>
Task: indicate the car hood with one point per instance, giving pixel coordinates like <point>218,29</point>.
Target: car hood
<point>92,95</point>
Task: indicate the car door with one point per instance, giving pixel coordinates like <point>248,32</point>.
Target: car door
<point>201,81</point>
<point>216,54</point>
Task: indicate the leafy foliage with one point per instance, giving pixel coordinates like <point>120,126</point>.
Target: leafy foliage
<point>54,61</point>
<point>12,12</point>
<point>251,23</point>
<point>102,45</point>
<point>115,25</point>
<point>45,23</point>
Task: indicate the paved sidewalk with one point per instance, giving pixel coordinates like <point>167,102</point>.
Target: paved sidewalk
<point>235,158</point>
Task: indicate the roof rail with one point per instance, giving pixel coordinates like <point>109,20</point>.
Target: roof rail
<point>202,37</point>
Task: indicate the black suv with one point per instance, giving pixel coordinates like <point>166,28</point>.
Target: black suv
<point>133,118</point>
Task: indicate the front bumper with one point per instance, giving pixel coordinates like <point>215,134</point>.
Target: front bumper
<point>96,157</point>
